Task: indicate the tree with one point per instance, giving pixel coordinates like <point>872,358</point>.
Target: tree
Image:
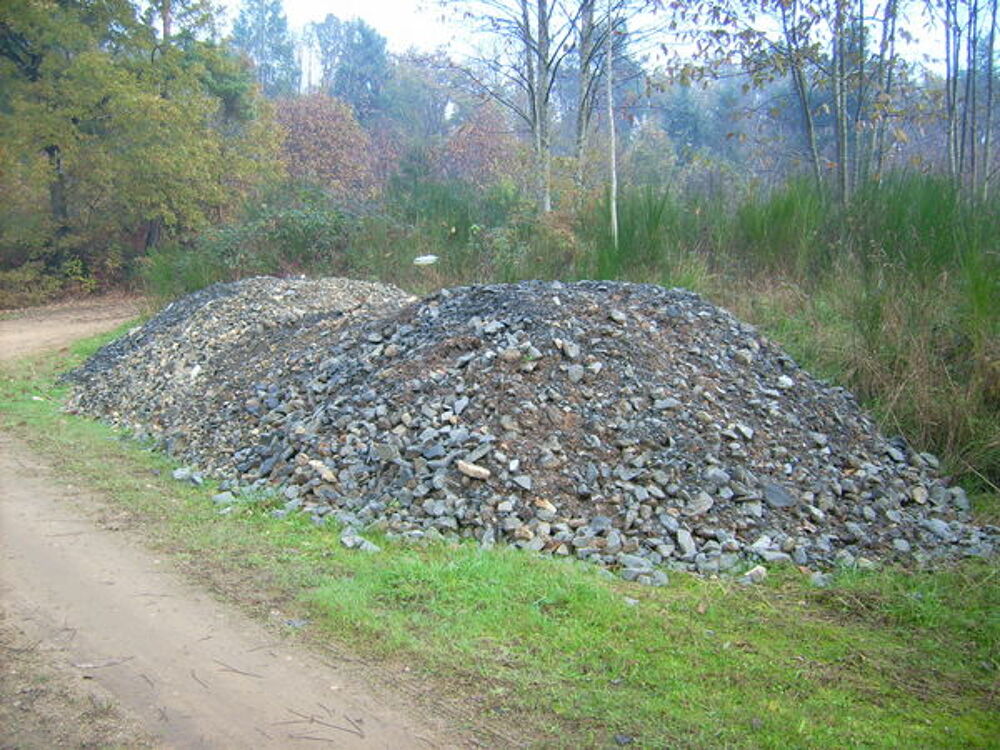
<point>361,76</point>
<point>825,46</point>
<point>184,16</point>
<point>124,137</point>
<point>970,37</point>
<point>325,145</point>
<point>602,34</point>
<point>650,160</point>
<point>531,41</point>
<point>420,95</point>
<point>613,150</point>
<point>327,35</point>
<point>354,65</point>
<point>261,33</point>
<point>483,149</point>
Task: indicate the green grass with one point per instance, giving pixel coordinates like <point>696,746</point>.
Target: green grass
<point>565,655</point>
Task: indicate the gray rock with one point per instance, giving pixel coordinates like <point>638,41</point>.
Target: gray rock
<point>635,561</point>
<point>857,533</point>
<point>523,481</point>
<point>653,578</point>
<point>821,580</point>
<point>352,540</point>
<point>716,475</point>
<point>667,404</point>
<point>773,556</point>
<point>685,543</point>
<point>669,522</point>
<point>895,454</point>
<point>187,474</point>
<point>701,504</point>
<point>488,539</point>
<point>599,524</point>
<point>777,496</point>
<point>959,499</point>
<point>938,527</point>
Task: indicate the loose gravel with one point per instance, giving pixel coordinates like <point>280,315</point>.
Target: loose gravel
<point>626,424</point>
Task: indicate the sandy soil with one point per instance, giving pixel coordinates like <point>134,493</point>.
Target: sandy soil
<point>105,644</point>
<point>37,329</point>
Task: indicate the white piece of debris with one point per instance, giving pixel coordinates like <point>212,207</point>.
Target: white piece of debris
<point>473,470</point>
<point>425,260</point>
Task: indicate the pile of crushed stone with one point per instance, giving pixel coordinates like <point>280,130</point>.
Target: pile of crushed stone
<point>626,424</point>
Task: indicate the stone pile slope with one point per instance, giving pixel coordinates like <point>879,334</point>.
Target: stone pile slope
<point>626,424</point>
<point>174,378</point>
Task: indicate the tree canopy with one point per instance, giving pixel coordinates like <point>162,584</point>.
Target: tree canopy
<point>261,33</point>
<point>110,136</point>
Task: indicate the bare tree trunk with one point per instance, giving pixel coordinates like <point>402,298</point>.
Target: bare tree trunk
<point>58,204</point>
<point>532,82</point>
<point>886,70</point>
<point>536,64</point>
<point>792,39</point>
<point>613,161</point>
<point>542,103</point>
<point>585,80</point>
<point>802,91</point>
<point>988,133</point>
<point>971,96</point>
<point>967,130</point>
<point>952,36</point>
<point>166,12</point>
<point>840,100</point>
<point>858,129</point>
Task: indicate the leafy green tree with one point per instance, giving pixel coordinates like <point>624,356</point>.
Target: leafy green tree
<point>354,66</point>
<point>170,17</point>
<point>261,33</point>
<point>109,138</point>
<point>328,38</point>
<point>361,77</point>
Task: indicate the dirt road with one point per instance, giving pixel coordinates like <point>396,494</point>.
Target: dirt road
<point>54,326</point>
<point>104,644</point>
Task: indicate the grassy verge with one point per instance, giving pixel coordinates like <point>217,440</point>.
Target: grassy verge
<point>566,655</point>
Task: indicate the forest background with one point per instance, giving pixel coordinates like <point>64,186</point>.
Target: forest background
<point>783,157</point>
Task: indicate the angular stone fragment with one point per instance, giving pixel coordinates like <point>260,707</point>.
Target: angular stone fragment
<point>685,543</point>
<point>777,496</point>
<point>701,504</point>
<point>523,481</point>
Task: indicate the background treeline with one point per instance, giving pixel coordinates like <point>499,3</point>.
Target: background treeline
<point>784,157</point>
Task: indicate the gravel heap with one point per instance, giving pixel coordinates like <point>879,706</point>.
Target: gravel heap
<point>626,424</point>
<point>180,378</point>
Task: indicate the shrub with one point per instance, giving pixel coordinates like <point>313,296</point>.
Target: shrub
<point>29,284</point>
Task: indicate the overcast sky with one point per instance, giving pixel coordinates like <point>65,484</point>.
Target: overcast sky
<point>425,24</point>
<point>404,23</point>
